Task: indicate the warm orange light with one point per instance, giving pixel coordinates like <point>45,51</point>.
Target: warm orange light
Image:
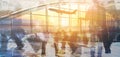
<point>88,35</point>
<point>53,21</point>
<point>39,17</point>
<point>85,25</point>
<point>82,14</point>
<point>37,25</point>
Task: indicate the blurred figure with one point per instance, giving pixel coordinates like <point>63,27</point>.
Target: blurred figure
<point>85,39</point>
<point>73,41</point>
<point>99,49</point>
<point>44,36</point>
<point>50,47</point>
<point>64,38</point>
<point>107,41</point>
<point>57,40</point>
<point>17,34</point>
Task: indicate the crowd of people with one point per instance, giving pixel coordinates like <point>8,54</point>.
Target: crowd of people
<point>71,37</point>
<point>60,36</point>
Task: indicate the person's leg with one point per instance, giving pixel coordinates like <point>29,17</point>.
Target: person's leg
<point>107,47</point>
<point>18,41</point>
<point>56,48</point>
<point>73,47</point>
<point>43,48</point>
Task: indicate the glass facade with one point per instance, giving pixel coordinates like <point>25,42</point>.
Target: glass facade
<point>86,18</point>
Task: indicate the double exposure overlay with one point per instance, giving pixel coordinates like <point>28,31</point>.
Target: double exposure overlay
<point>59,28</point>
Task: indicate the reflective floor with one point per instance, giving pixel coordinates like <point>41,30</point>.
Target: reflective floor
<point>29,51</point>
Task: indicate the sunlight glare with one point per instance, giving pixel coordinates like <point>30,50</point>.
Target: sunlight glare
<point>64,22</point>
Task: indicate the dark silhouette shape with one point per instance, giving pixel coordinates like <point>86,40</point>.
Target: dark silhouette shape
<point>73,41</point>
<point>16,35</point>
<point>107,41</point>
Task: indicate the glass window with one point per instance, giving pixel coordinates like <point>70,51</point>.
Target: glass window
<point>64,22</point>
<point>38,20</point>
<point>5,24</point>
<point>82,14</point>
<point>53,20</point>
<point>74,22</point>
<point>38,23</point>
<point>39,11</point>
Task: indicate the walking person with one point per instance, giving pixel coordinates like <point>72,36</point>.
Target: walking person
<point>107,41</point>
<point>73,42</point>
<point>17,34</point>
<point>43,36</point>
<point>56,41</point>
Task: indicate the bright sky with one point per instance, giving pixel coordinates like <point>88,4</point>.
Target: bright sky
<point>13,4</point>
